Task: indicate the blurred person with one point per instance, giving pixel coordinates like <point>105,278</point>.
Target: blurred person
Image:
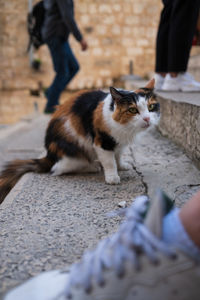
<point>58,24</point>
<point>155,254</point>
<point>174,41</point>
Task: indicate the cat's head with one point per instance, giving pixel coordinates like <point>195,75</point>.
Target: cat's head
<point>138,108</point>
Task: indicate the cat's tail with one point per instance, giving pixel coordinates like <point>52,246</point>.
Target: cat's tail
<point>13,171</point>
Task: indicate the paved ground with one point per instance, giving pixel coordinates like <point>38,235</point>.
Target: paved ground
<point>47,222</point>
<point>23,140</point>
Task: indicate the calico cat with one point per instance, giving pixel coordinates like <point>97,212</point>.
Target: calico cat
<point>92,126</point>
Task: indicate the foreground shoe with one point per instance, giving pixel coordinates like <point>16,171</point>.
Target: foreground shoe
<point>184,82</point>
<point>133,263</point>
<point>159,80</point>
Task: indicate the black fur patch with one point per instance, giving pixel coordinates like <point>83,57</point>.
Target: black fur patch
<point>156,107</point>
<point>148,93</point>
<point>51,133</point>
<point>128,97</point>
<point>52,156</point>
<point>146,90</point>
<point>69,148</point>
<point>84,107</point>
<point>107,141</point>
<point>112,105</point>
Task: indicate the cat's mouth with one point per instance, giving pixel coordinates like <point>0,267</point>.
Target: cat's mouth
<point>146,125</point>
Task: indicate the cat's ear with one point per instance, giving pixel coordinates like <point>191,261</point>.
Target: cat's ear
<point>150,84</point>
<point>115,94</point>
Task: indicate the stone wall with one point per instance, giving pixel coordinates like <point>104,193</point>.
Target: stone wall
<point>117,32</point>
<point>185,131</point>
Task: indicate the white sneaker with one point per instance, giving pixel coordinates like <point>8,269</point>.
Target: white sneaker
<point>184,82</point>
<point>159,80</point>
<point>133,263</point>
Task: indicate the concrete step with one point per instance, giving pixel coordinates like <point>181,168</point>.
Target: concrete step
<point>180,118</point>
<point>24,139</point>
<point>47,222</point>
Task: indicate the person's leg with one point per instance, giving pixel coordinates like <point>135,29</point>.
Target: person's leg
<point>162,39</point>
<point>65,66</point>
<point>161,64</point>
<point>72,63</point>
<point>182,28</point>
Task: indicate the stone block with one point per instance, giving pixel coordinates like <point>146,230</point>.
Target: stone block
<point>135,51</point>
<point>117,7</point>
<point>108,20</point>
<point>105,72</point>
<point>127,30</point>
<point>99,83</point>
<point>105,9</point>
<point>85,19</point>
<point>83,8</point>
<point>116,30</point>
<point>138,8</point>
<point>97,51</point>
<point>101,29</point>
<point>127,42</point>
<point>92,8</point>
<point>180,122</point>
<point>142,42</point>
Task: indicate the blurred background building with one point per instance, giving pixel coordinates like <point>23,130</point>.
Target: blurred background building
<point>120,34</point>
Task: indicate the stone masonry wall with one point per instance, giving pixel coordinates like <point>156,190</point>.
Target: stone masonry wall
<point>185,131</point>
<point>117,32</point>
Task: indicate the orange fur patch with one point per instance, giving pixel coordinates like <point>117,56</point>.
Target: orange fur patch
<point>99,123</point>
<point>53,148</point>
<point>121,113</point>
<point>64,109</point>
<point>64,112</point>
<point>77,125</point>
<point>152,100</point>
<point>98,120</point>
<point>140,90</point>
<point>150,84</point>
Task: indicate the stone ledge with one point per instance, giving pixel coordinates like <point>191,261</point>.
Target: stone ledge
<point>181,123</point>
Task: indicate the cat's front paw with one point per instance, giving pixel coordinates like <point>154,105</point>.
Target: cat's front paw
<point>125,166</point>
<point>112,179</point>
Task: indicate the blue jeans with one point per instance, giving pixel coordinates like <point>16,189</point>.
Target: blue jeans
<point>65,66</point>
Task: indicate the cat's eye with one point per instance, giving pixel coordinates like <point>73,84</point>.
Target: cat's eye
<point>151,107</point>
<point>133,110</point>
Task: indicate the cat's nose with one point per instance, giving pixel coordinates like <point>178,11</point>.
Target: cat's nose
<point>146,119</point>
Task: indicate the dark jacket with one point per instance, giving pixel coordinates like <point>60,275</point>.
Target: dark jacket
<point>59,20</point>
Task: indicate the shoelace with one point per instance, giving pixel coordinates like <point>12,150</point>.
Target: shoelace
<point>132,239</point>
